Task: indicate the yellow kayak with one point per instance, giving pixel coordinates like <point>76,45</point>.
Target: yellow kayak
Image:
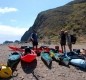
<point>5,71</point>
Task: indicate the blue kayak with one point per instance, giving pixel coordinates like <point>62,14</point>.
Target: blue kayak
<point>73,55</point>
<point>13,59</point>
<point>55,55</point>
<point>14,56</point>
<point>46,57</point>
<point>79,62</point>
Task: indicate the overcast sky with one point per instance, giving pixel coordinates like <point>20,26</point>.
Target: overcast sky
<point>16,16</point>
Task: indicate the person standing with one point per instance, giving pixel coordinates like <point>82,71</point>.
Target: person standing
<point>68,39</point>
<point>34,39</point>
<point>63,41</point>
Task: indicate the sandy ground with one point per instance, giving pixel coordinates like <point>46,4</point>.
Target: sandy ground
<point>39,71</point>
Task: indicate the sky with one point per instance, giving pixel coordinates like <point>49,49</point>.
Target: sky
<point>17,16</point>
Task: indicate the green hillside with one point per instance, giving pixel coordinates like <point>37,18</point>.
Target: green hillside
<point>71,17</point>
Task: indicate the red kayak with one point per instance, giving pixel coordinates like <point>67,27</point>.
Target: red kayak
<point>14,48</point>
<point>29,57</point>
<point>39,50</point>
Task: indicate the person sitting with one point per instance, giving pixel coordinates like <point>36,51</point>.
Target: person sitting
<point>27,51</point>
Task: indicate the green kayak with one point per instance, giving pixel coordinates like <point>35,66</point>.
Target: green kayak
<point>55,55</point>
<point>46,57</point>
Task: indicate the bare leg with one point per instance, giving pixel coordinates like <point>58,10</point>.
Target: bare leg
<point>70,47</point>
<point>62,48</point>
<point>33,47</point>
<point>36,47</point>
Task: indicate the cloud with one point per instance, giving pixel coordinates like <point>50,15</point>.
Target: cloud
<point>11,33</point>
<point>7,10</point>
<point>10,30</point>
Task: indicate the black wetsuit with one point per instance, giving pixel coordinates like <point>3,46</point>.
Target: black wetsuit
<point>63,39</point>
<point>35,39</point>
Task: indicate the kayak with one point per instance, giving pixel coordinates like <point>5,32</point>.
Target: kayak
<point>79,62</point>
<point>40,49</point>
<point>23,47</point>
<point>65,60</point>
<point>44,48</point>
<point>13,59</point>
<point>14,48</point>
<point>77,51</point>
<point>46,57</point>
<point>29,57</point>
<point>59,57</point>
<point>74,55</point>
<point>37,51</point>
<point>5,71</point>
<point>54,54</point>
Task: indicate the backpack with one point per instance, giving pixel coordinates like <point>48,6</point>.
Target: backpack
<point>73,39</point>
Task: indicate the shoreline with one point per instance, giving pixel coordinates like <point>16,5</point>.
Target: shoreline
<point>40,71</point>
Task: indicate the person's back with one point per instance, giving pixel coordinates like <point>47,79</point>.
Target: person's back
<point>34,39</point>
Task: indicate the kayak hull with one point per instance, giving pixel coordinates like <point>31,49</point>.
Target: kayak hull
<point>14,48</point>
<point>5,71</point>
<point>55,55</point>
<point>13,59</point>
<point>46,57</point>
<point>79,62</point>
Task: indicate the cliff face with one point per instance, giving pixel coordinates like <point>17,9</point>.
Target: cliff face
<point>71,16</point>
